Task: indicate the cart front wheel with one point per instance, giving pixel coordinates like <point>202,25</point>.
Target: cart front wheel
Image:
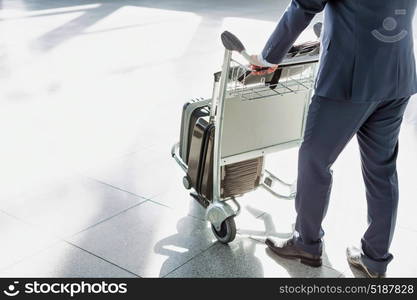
<point>186,182</point>
<point>227,232</point>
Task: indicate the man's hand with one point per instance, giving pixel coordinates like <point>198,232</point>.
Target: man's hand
<point>259,68</point>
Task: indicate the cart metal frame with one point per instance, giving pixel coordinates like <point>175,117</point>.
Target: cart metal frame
<point>219,210</point>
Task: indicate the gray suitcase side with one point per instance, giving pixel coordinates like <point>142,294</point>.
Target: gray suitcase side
<point>197,149</point>
<point>237,178</point>
<point>189,109</point>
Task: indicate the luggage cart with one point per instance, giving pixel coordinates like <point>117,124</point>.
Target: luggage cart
<point>273,114</point>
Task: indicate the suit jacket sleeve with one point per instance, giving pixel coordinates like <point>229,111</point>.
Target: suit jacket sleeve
<point>295,19</point>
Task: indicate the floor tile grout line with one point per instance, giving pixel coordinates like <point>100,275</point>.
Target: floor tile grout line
<point>117,188</point>
<point>173,209</point>
<point>25,258</point>
<point>251,238</point>
<point>150,199</point>
<point>54,243</point>
<point>260,215</point>
<point>192,258</point>
<point>160,204</point>
<point>138,204</point>
<point>107,219</point>
<point>102,258</point>
<point>146,199</point>
<point>12,216</point>
<point>83,172</point>
<point>37,227</point>
<point>64,237</point>
<point>60,239</point>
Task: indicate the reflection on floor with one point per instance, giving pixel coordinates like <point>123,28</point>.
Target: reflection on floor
<point>89,108</point>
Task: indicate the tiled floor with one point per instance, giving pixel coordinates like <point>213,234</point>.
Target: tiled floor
<point>90,101</point>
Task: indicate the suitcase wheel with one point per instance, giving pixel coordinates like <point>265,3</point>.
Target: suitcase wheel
<point>227,232</point>
<point>186,182</point>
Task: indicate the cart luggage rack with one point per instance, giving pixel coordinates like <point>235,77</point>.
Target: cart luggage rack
<point>293,78</point>
<point>277,125</point>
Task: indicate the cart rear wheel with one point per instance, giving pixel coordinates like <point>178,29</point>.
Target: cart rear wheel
<point>227,232</point>
<point>186,182</point>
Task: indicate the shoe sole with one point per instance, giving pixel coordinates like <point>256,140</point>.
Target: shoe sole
<point>315,263</point>
<point>361,268</point>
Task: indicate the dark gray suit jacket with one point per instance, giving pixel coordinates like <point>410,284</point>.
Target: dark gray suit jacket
<point>367,47</point>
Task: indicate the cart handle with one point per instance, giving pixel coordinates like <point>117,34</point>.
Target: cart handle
<point>232,43</point>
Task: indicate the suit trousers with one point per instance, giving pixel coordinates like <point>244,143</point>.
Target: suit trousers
<point>331,124</point>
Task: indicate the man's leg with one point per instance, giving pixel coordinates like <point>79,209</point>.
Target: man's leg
<point>378,141</point>
<point>330,126</point>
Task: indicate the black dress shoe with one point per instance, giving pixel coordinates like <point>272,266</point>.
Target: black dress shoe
<point>354,257</point>
<point>289,250</point>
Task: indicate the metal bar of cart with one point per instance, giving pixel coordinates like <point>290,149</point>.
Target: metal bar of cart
<point>175,155</point>
<point>277,179</point>
<point>218,108</point>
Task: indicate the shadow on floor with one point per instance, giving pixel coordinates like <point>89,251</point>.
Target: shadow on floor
<point>240,258</point>
<point>293,266</point>
<point>269,225</point>
<point>235,260</point>
<point>91,15</point>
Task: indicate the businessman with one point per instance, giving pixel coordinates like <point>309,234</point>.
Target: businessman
<point>365,80</point>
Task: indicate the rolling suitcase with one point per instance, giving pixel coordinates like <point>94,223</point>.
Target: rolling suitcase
<point>236,178</point>
<point>191,112</point>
